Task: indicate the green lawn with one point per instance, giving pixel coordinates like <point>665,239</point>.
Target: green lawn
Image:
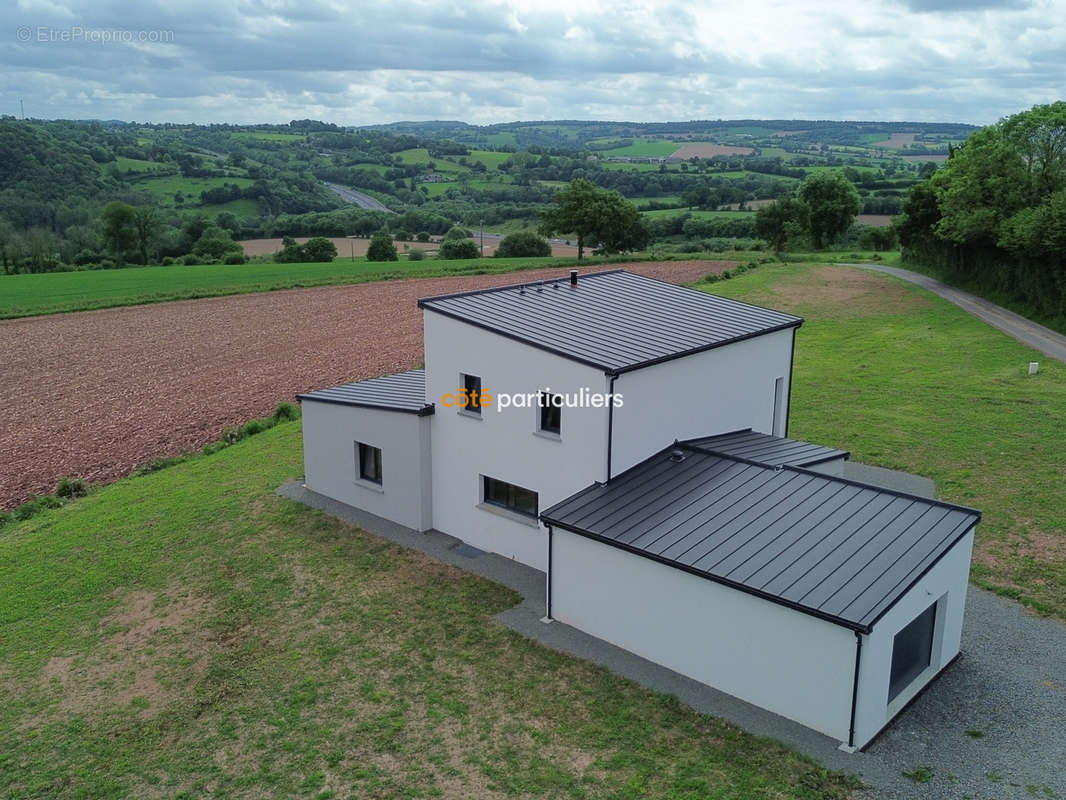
<point>906,380</point>
<point>420,155</point>
<point>190,634</point>
<point>489,158</point>
<point>50,293</point>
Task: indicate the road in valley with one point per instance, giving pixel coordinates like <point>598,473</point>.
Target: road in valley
<point>358,198</point>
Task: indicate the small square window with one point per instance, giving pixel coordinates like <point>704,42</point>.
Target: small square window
<point>369,462</point>
<point>912,652</point>
<point>550,413</point>
<point>470,392</point>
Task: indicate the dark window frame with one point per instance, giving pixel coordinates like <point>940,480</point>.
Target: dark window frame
<point>373,474</point>
<point>912,651</point>
<point>509,496</point>
<point>472,385</point>
<point>546,411</point>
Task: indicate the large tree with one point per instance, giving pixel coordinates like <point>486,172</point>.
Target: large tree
<point>834,203</point>
<point>594,216</point>
<point>784,219</point>
<point>119,229</point>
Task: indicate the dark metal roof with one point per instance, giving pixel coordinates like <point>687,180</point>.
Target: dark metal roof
<point>836,549</point>
<point>405,392</point>
<point>615,320</point>
<point>773,451</point>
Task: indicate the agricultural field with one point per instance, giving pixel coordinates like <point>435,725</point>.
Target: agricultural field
<point>57,292</point>
<point>235,358</point>
<point>165,187</point>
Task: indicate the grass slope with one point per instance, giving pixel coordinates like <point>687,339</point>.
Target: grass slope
<point>55,292</point>
<point>905,380</point>
<point>189,633</point>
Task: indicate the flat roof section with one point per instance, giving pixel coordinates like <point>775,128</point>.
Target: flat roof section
<point>771,450</point>
<point>405,392</point>
<point>833,548</point>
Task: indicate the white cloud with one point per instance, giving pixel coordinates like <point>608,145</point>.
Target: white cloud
<point>498,60</point>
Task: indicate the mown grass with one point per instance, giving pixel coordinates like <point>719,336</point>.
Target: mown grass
<point>189,633</point>
<point>908,381</point>
<point>51,293</point>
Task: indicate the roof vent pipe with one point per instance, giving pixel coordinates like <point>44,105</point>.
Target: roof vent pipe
<point>573,277</point>
<point>677,454</point>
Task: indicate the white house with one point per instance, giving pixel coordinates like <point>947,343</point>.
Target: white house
<point>628,437</point>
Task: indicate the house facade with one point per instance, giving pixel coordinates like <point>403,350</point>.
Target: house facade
<point>537,431</point>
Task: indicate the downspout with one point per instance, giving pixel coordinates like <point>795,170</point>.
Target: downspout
<point>610,425</point>
<point>855,688</point>
<point>548,582</point>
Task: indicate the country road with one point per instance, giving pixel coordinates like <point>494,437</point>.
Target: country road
<point>1047,341</point>
<point>358,198</point>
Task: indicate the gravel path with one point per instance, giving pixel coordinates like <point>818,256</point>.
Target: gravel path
<point>94,394</point>
<point>1047,341</point>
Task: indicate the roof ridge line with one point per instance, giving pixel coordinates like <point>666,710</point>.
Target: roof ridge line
<point>423,300</point>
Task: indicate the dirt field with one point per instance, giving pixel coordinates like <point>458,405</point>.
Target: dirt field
<point>710,151</point>
<point>347,247</point>
<point>897,141</point>
<point>880,220</point>
<point>96,393</point>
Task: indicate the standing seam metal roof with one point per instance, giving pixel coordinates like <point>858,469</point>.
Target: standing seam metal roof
<point>771,450</point>
<point>405,391</point>
<point>615,320</point>
<point>830,547</point>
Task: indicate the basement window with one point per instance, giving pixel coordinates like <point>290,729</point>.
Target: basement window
<point>369,458</point>
<point>550,413</point>
<point>508,496</point>
<point>912,652</point>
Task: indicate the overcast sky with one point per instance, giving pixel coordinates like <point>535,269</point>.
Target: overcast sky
<point>359,62</point>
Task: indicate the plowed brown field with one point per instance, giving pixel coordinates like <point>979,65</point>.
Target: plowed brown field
<point>96,393</point>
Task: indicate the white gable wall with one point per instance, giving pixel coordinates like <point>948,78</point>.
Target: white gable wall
<point>946,582</point>
<point>330,433</point>
<point>502,443</point>
<point>724,389</point>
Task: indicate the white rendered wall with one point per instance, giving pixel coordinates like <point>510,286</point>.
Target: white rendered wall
<point>502,443</point>
<point>948,581</point>
<point>724,389</point>
<point>330,432</point>
<point>790,663</point>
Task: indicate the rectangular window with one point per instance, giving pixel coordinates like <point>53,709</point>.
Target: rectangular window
<point>509,496</point>
<point>912,652</point>
<point>471,392</point>
<point>550,413</point>
<point>369,462</point>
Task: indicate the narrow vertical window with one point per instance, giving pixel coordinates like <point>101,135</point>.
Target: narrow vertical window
<point>550,413</point>
<point>778,423</point>
<point>369,458</point>
<point>471,389</point>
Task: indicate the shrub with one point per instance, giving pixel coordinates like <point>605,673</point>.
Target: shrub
<point>381,248</point>
<point>523,244</point>
<point>458,248</point>
<point>285,411</point>
<point>190,260</point>
<point>168,261</point>
<point>422,236</point>
<point>251,428</point>
<point>71,487</point>
<point>234,258</point>
<point>456,233</point>
<point>402,236</point>
<point>416,255</point>
<point>319,249</point>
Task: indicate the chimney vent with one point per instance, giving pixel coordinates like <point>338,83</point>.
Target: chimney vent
<point>573,277</point>
<point>677,454</point>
